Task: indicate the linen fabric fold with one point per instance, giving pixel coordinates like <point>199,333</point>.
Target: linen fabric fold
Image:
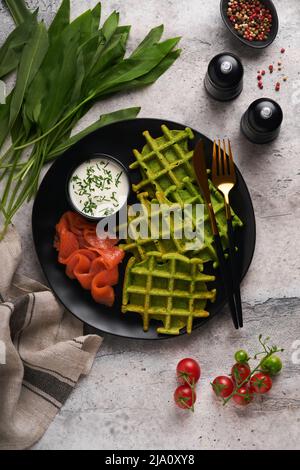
<point>43,352</point>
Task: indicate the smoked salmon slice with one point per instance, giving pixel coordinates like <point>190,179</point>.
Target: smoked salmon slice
<point>104,295</point>
<point>67,244</point>
<point>92,261</point>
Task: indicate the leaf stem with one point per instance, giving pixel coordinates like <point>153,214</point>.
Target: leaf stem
<point>6,155</point>
<point>38,139</point>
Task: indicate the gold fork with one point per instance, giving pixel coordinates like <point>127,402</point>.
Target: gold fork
<point>224,178</point>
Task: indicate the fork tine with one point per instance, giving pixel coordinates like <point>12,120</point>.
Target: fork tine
<point>225,164</point>
<point>231,164</point>
<point>220,158</point>
<point>214,161</point>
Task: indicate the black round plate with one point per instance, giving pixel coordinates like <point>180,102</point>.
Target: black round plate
<point>117,140</point>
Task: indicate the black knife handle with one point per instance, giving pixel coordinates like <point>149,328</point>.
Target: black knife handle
<point>235,272</point>
<point>227,279</point>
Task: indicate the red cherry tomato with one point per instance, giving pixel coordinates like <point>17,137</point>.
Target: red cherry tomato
<point>240,372</point>
<point>188,371</point>
<point>185,397</point>
<point>223,386</point>
<point>244,396</point>
<point>260,383</point>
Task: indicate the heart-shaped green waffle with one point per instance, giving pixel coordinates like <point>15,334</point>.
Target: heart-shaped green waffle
<point>169,288</point>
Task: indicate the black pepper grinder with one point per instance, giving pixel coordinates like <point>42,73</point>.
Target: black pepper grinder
<point>262,120</point>
<point>224,77</point>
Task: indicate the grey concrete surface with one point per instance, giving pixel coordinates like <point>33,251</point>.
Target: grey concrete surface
<point>126,401</point>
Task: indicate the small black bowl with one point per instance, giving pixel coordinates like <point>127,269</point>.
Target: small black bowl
<point>254,44</point>
<point>90,157</point>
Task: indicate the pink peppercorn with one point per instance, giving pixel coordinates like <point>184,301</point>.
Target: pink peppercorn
<point>282,50</point>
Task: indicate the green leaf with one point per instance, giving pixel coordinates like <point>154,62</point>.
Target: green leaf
<point>18,129</point>
<point>12,48</point>
<point>32,57</point>
<point>59,60</point>
<point>132,68</point>
<point>152,37</point>
<point>57,96</point>
<point>84,25</point>
<point>79,76</point>
<point>110,25</point>
<point>4,119</point>
<point>96,14</point>
<point>18,10</point>
<point>151,76</point>
<point>60,22</point>
<point>88,50</point>
<point>105,119</point>
<point>123,29</point>
<point>26,122</point>
<point>110,55</point>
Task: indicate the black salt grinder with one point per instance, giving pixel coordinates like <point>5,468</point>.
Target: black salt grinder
<point>262,120</point>
<point>224,77</point>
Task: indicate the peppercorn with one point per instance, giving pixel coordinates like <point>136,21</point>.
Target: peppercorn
<point>282,50</point>
<point>251,20</point>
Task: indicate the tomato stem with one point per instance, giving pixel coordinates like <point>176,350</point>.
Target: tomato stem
<point>268,352</point>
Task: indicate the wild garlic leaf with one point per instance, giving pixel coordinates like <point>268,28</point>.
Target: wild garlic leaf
<point>96,14</point>
<point>110,25</point>
<point>105,119</point>
<point>82,65</point>
<point>88,50</point>
<point>84,25</point>
<point>151,76</point>
<point>60,21</point>
<point>79,77</point>
<point>132,68</point>
<point>112,53</point>
<point>123,29</point>
<point>50,80</point>
<point>31,59</point>
<point>57,98</point>
<point>17,131</point>
<point>4,119</point>
<point>12,48</point>
<point>18,10</point>
<point>153,37</point>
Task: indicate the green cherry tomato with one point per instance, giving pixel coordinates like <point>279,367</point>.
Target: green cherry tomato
<point>272,365</point>
<point>241,356</point>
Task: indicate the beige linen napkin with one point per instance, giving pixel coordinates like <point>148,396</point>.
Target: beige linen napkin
<point>43,352</point>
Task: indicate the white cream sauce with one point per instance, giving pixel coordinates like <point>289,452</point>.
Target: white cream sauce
<point>99,187</point>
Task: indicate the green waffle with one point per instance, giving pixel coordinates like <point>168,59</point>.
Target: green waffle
<point>162,243</point>
<point>164,279</point>
<point>164,161</point>
<point>169,288</point>
<point>168,177</point>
